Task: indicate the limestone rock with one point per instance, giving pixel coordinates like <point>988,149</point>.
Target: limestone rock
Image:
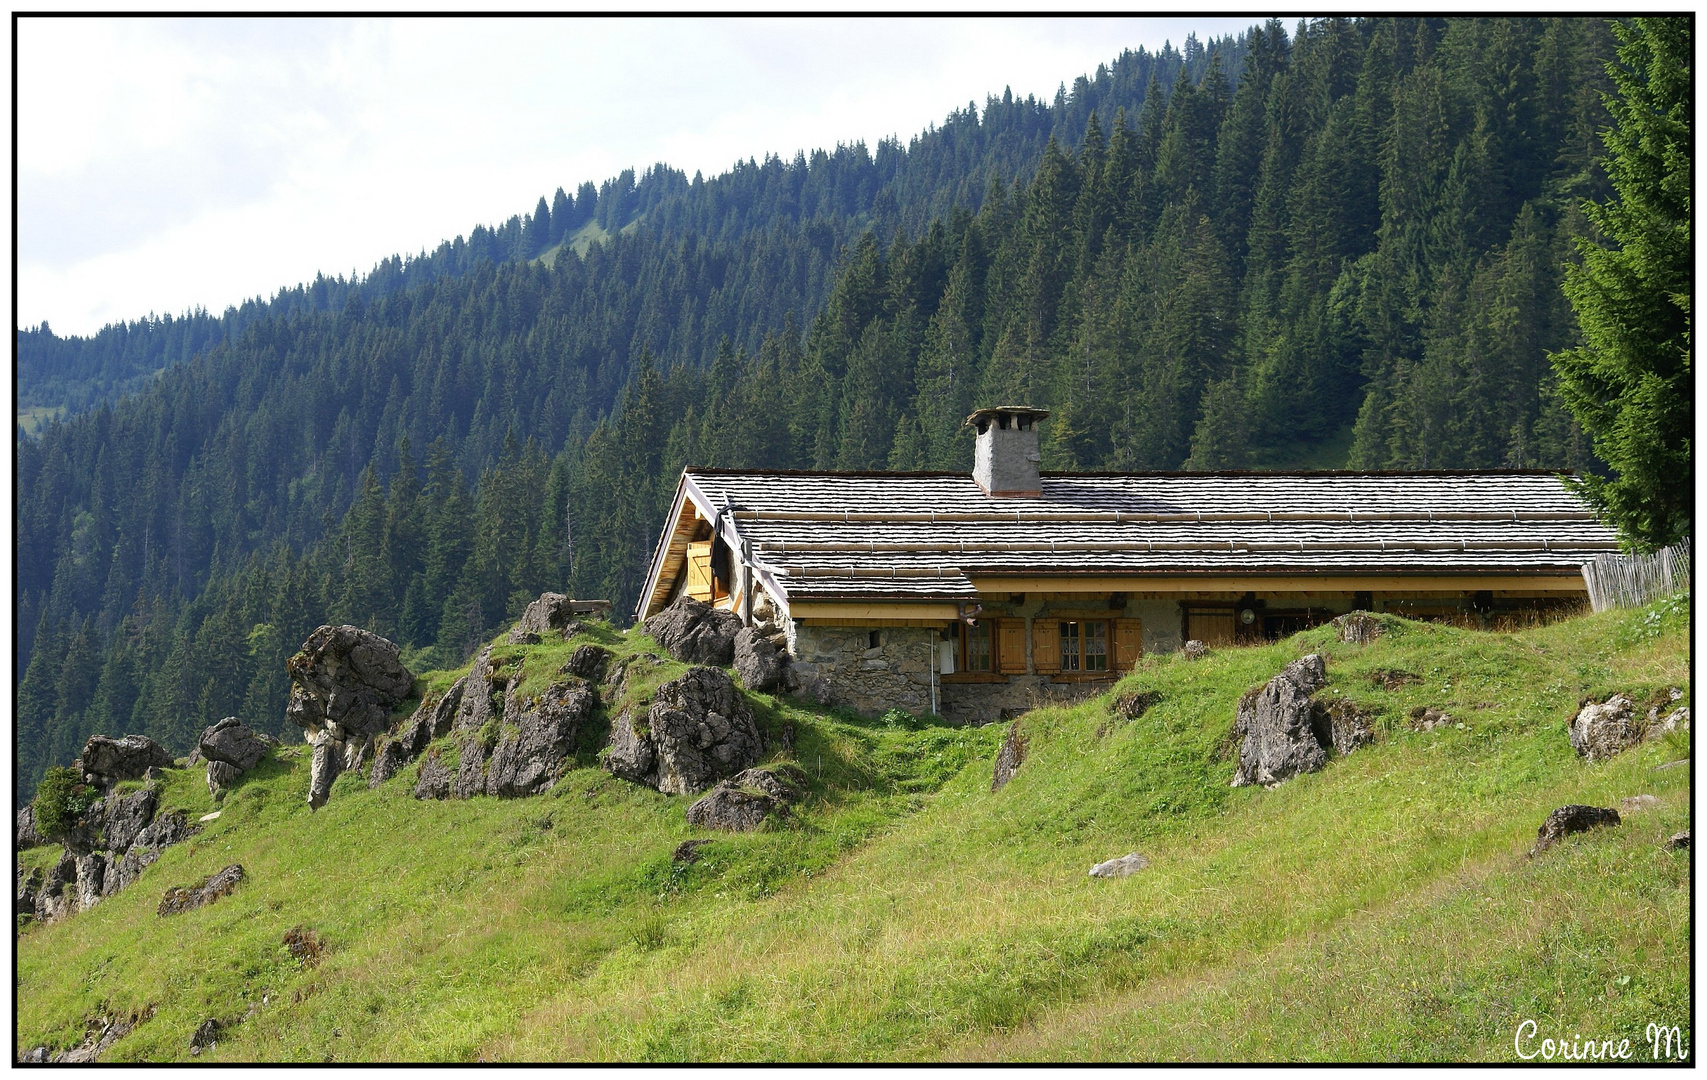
<point>742,802</point>
<point>1131,706</point>
<point>28,835</point>
<point>552,611</point>
<point>701,731</point>
<point>696,633</point>
<point>757,660</point>
<point>1600,730</point>
<point>387,761</point>
<point>1125,866</point>
<point>531,755</point>
<point>1009,758</point>
<point>29,884</point>
<point>345,681</point>
<point>125,817</point>
<point>1679,841</point>
<point>1570,819</point>
<point>182,899</point>
<point>91,868</point>
<point>470,779</point>
<point>434,779</point>
<point>107,760</point>
<point>1635,804</point>
<point>1358,627</point>
<point>222,775</point>
<point>518,636</point>
<point>1342,725</point>
<point>1427,718</point>
<point>206,1036</point>
<point>588,662</point>
<point>232,741</point>
<point>324,765</point>
<point>160,834</point>
<point>1677,720</point>
<point>630,755</point>
<point>1194,649</point>
<point>1276,723</point>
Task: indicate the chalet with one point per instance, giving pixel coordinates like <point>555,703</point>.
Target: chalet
<point>977,596</point>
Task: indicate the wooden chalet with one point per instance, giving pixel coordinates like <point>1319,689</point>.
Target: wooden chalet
<point>983,594</point>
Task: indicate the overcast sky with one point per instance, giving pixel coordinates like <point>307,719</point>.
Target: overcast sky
<point>169,164</point>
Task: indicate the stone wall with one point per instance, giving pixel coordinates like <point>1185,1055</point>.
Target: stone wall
<point>838,665</point>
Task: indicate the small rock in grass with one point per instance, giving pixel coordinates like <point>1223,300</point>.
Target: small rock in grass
<point>205,1037</point>
<point>210,817</point>
<point>1429,718</point>
<point>588,662</point>
<point>1125,866</point>
<point>1602,729</point>
<point>688,851</point>
<point>1679,841</point>
<point>1194,649</point>
<point>1010,758</point>
<point>1358,627</point>
<point>1681,763</point>
<point>1132,706</point>
<point>1570,819</point>
<point>181,899</point>
<point>1635,804</point>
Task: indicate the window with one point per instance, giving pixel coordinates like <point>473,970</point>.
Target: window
<point>1084,645</point>
<point>976,651</point>
<point>876,639</point>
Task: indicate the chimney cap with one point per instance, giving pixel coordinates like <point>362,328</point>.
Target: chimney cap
<point>1005,410</point>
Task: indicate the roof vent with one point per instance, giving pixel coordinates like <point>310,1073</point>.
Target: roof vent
<point>1006,459</point>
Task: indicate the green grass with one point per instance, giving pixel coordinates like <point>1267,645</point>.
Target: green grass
<point>32,420</point>
<point>1383,908</point>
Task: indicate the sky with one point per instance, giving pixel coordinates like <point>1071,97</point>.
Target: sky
<point>169,164</point>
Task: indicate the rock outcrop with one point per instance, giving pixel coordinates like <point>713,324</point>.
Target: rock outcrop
<point>181,899</point>
<point>232,742</point>
<point>107,760</point>
<point>433,719</point>
<point>221,776</point>
<point>1009,758</point>
<point>1571,819</point>
<point>696,633</point>
<point>1603,729</point>
<point>344,683</point>
<point>1358,627</point>
<point>588,662</point>
<point>551,612</point>
<point>1125,866</point>
<point>534,746</point>
<point>761,665</point>
<point>434,779</point>
<point>105,848</point>
<point>742,802</point>
<point>1286,729</point>
<point>28,835</point>
<point>698,730</point>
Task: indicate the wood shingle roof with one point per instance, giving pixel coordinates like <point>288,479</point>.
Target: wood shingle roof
<point>822,535</point>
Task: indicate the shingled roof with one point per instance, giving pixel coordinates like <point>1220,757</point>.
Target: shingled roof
<point>869,536</point>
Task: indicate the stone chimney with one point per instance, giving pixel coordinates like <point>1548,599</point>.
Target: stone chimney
<point>1005,462</point>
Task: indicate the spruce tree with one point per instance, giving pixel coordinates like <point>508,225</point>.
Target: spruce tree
<point>1630,383</point>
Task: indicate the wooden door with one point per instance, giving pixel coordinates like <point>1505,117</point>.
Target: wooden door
<point>1010,646</point>
<point>1212,626</point>
<point>1128,643</point>
<point>1046,646</point>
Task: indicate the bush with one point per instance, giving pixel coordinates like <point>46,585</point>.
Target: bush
<point>60,798</point>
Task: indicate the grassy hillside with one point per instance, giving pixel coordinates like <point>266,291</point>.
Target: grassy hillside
<point>1383,908</point>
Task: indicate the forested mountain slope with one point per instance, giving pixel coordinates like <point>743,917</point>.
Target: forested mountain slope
<point>835,191</point>
<point>1350,253</point>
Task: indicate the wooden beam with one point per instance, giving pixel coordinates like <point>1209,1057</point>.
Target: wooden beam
<point>1535,584</point>
<point>828,613</point>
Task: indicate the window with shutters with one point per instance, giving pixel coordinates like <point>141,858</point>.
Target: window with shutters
<point>1010,646</point>
<point>977,647</point>
<point>1084,645</point>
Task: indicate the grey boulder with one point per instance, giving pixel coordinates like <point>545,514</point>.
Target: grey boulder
<point>1358,627</point>
<point>434,779</point>
<point>531,754</point>
<point>221,776</point>
<point>1276,726</point>
<point>232,742</point>
<point>28,835</point>
<point>742,802</point>
<point>107,760</point>
<point>758,661</point>
<point>1125,866</point>
<point>1603,729</point>
<point>588,662</point>
<point>701,730</point>
<point>346,681</point>
<point>1571,819</point>
<point>552,611</point>
<point>181,899</point>
<point>695,632</point>
<point>630,755</point>
<point>1009,758</point>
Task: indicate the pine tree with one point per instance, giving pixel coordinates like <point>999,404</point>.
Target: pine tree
<point>1630,384</point>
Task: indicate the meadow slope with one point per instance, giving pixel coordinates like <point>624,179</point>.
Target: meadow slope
<point>1383,908</point>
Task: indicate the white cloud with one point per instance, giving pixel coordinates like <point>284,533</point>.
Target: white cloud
<point>167,164</point>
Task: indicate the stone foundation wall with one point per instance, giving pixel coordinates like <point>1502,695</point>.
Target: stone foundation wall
<point>838,665</point>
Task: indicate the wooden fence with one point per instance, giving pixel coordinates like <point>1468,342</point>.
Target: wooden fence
<point>1616,581</point>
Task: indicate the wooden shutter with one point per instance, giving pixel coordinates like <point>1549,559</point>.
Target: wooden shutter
<point>1046,645</point>
<point>1128,643</point>
<point>1010,646</point>
<point>699,571</point>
